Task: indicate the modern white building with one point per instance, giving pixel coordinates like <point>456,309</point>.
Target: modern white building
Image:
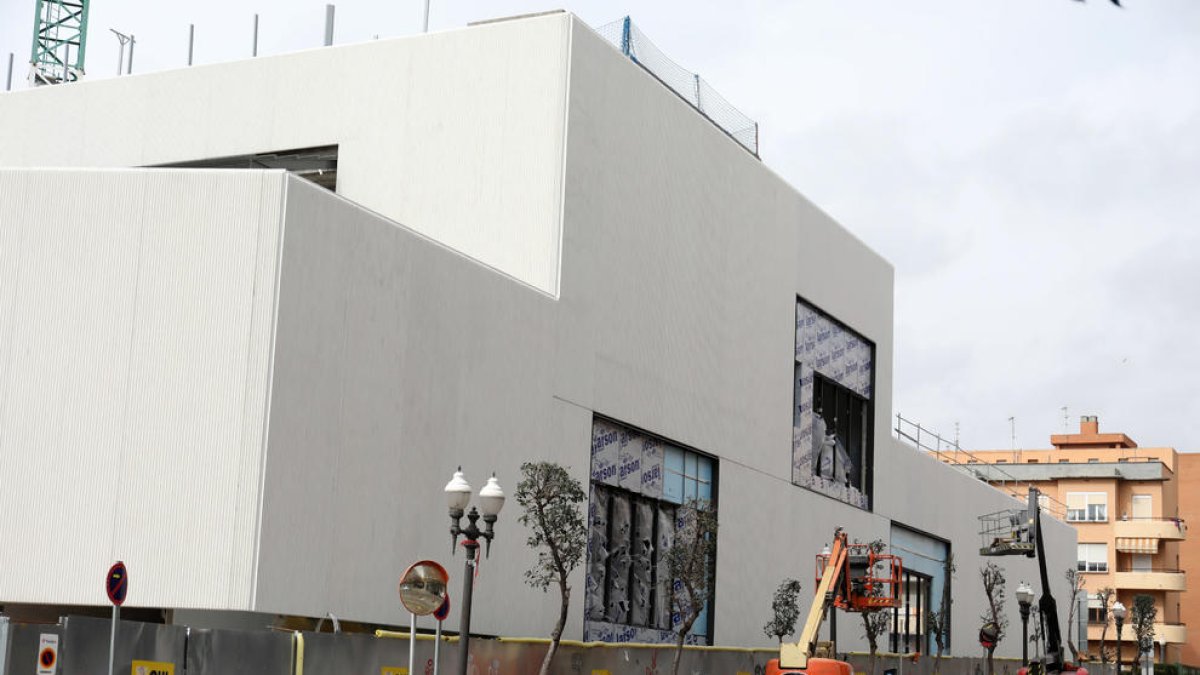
<point>252,388</point>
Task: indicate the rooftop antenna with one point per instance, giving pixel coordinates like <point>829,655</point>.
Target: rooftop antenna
<point>58,25</point>
<point>123,38</point>
<point>191,41</point>
<point>254,46</point>
<point>1012,427</point>
<point>8,82</point>
<point>1066,421</point>
<point>329,25</point>
<point>425,21</point>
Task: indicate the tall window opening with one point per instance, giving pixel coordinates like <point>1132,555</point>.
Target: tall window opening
<point>909,620</point>
<point>832,411</point>
<point>922,588</point>
<point>638,483</point>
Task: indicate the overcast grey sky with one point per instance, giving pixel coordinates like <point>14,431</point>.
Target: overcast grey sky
<point>1030,167</point>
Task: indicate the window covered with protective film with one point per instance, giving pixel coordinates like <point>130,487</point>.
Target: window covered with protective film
<point>832,411</point>
<point>638,484</point>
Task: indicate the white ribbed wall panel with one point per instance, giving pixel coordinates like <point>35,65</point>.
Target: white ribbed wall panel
<point>136,320</point>
<point>458,134</point>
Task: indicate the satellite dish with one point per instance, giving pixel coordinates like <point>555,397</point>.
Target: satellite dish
<point>423,587</point>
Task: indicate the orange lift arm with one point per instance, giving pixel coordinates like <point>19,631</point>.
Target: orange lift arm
<point>796,654</point>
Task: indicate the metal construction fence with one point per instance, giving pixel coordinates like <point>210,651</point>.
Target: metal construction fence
<point>625,36</point>
<point>82,645</point>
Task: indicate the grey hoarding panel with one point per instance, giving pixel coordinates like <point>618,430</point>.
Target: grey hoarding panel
<point>85,642</point>
<point>24,643</point>
<point>238,652</point>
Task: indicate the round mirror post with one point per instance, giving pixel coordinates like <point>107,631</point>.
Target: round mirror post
<point>412,641</point>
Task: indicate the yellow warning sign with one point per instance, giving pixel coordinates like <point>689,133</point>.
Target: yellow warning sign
<point>393,671</point>
<point>152,668</point>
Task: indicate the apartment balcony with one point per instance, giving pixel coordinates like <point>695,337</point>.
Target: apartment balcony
<point>1173,529</point>
<point>1175,633</point>
<point>1154,579</point>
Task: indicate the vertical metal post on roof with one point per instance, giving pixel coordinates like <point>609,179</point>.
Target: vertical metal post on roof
<point>696,81</point>
<point>129,65</point>
<point>425,21</point>
<point>328,25</point>
<point>191,40</point>
<point>122,38</point>
<point>625,36</point>
<point>8,82</point>
<point>254,47</point>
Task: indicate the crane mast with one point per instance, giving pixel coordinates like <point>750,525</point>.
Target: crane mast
<point>59,41</point>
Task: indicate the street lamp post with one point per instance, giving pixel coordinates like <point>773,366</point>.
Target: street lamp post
<point>1024,600</point>
<point>491,500</point>
<point>1118,612</point>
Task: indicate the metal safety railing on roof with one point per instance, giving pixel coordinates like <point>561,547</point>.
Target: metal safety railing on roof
<point>948,452</point>
<point>625,36</point>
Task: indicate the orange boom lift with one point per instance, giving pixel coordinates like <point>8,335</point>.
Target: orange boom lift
<point>851,577</point>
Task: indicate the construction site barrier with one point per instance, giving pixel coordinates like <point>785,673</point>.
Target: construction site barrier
<point>158,649</point>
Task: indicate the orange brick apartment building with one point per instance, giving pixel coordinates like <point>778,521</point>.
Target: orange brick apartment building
<point>1130,506</point>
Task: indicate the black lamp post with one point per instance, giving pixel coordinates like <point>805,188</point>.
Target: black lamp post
<point>1118,611</point>
<point>491,500</point>
<point>1024,601</point>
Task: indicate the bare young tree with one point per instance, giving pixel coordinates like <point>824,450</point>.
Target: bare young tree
<point>939,621</point>
<point>785,607</point>
<point>1076,581</point>
<point>875,623</point>
<point>1105,596</point>
<point>995,620</point>
<point>1037,633</point>
<point>1142,617</point>
<point>551,499</point>
<point>690,563</point>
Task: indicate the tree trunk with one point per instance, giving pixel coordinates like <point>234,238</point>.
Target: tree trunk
<point>1103,651</point>
<point>991,664</point>
<point>556,636</point>
<point>683,631</point>
<point>678,653</point>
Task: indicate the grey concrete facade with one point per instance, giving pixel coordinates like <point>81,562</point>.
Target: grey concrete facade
<point>660,293</point>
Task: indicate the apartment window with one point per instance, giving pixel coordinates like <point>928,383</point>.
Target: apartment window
<point>1087,507</point>
<point>1093,460</point>
<point>1096,613</point>
<point>638,483</point>
<point>1064,461</point>
<point>1031,461</point>
<point>1143,507</point>
<point>1093,558</point>
<point>1002,461</point>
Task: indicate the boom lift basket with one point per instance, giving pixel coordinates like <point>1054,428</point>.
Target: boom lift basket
<point>872,581</point>
<point>1008,532</point>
